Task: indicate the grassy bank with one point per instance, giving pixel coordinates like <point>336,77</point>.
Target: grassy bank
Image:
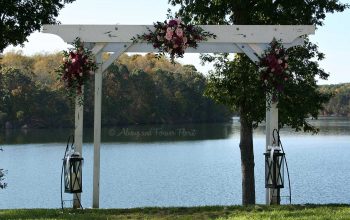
<point>214,212</point>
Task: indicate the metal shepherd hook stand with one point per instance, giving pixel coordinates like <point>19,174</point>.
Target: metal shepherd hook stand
<point>71,173</point>
<point>275,159</point>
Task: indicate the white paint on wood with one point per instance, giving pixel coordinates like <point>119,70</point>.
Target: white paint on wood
<point>97,119</point>
<point>271,124</point>
<point>246,48</point>
<point>202,48</point>
<point>115,55</point>
<point>97,132</point>
<point>224,33</point>
<point>78,139</point>
<point>98,48</point>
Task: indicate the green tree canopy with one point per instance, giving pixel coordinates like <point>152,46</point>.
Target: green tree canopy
<point>236,83</point>
<point>146,91</point>
<point>18,18</point>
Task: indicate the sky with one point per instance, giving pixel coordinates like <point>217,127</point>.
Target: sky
<point>332,38</point>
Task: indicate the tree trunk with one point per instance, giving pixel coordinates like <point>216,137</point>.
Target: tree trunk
<point>247,161</point>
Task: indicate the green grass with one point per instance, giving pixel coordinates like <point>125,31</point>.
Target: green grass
<point>307,212</point>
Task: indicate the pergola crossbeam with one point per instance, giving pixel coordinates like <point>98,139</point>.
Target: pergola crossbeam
<point>224,33</point>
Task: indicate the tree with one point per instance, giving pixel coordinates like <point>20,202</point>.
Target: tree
<point>18,19</point>
<point>236,83</point>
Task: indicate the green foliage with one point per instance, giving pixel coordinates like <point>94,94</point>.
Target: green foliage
<point>316,212</point>
<point>301,98</point>
<point>3,185</point>
<point>18,19</point>
<point>147,91</point>
<point>26,102</point>
<point>235,84</point>
<point>245,12</point>
<point>339,104</point>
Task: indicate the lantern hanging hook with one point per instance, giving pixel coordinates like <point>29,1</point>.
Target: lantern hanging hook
<point>274,133</point>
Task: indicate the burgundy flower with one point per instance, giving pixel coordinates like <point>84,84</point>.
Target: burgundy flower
<point>272,70</point>
<point>173,37</point>
<point>172,23</point>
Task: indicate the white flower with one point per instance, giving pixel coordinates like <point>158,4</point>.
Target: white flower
<point>279,61</point>
<point>178,20</point>
<point>262,69</point>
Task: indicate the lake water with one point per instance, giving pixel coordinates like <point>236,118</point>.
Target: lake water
<point>184,165</point>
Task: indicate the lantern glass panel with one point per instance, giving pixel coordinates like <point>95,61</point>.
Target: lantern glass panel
<point>274,170</point>
<point>73,174</point>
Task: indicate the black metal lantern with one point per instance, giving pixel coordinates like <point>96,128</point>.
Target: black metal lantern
<point>274,168</point>
<point>73,173</point>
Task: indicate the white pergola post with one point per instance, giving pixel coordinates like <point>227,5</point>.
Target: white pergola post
<point>249,39</point>
<point>97,132</point>
<point>78,139</point>
<point>272,195</point>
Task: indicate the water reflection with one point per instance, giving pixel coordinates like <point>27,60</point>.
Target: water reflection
<point>157,165</point>
<point>163,133</point>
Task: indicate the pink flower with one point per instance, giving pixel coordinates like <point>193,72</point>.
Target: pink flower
<point>179,32</point>
<point>169,29</point>
<point>285,65</point>
<point>280,61</point>
<point>169,33</point>
<point>178,20</point>
<point>168,36</point>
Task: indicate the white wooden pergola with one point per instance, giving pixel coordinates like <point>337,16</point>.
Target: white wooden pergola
<point>116,39</point>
